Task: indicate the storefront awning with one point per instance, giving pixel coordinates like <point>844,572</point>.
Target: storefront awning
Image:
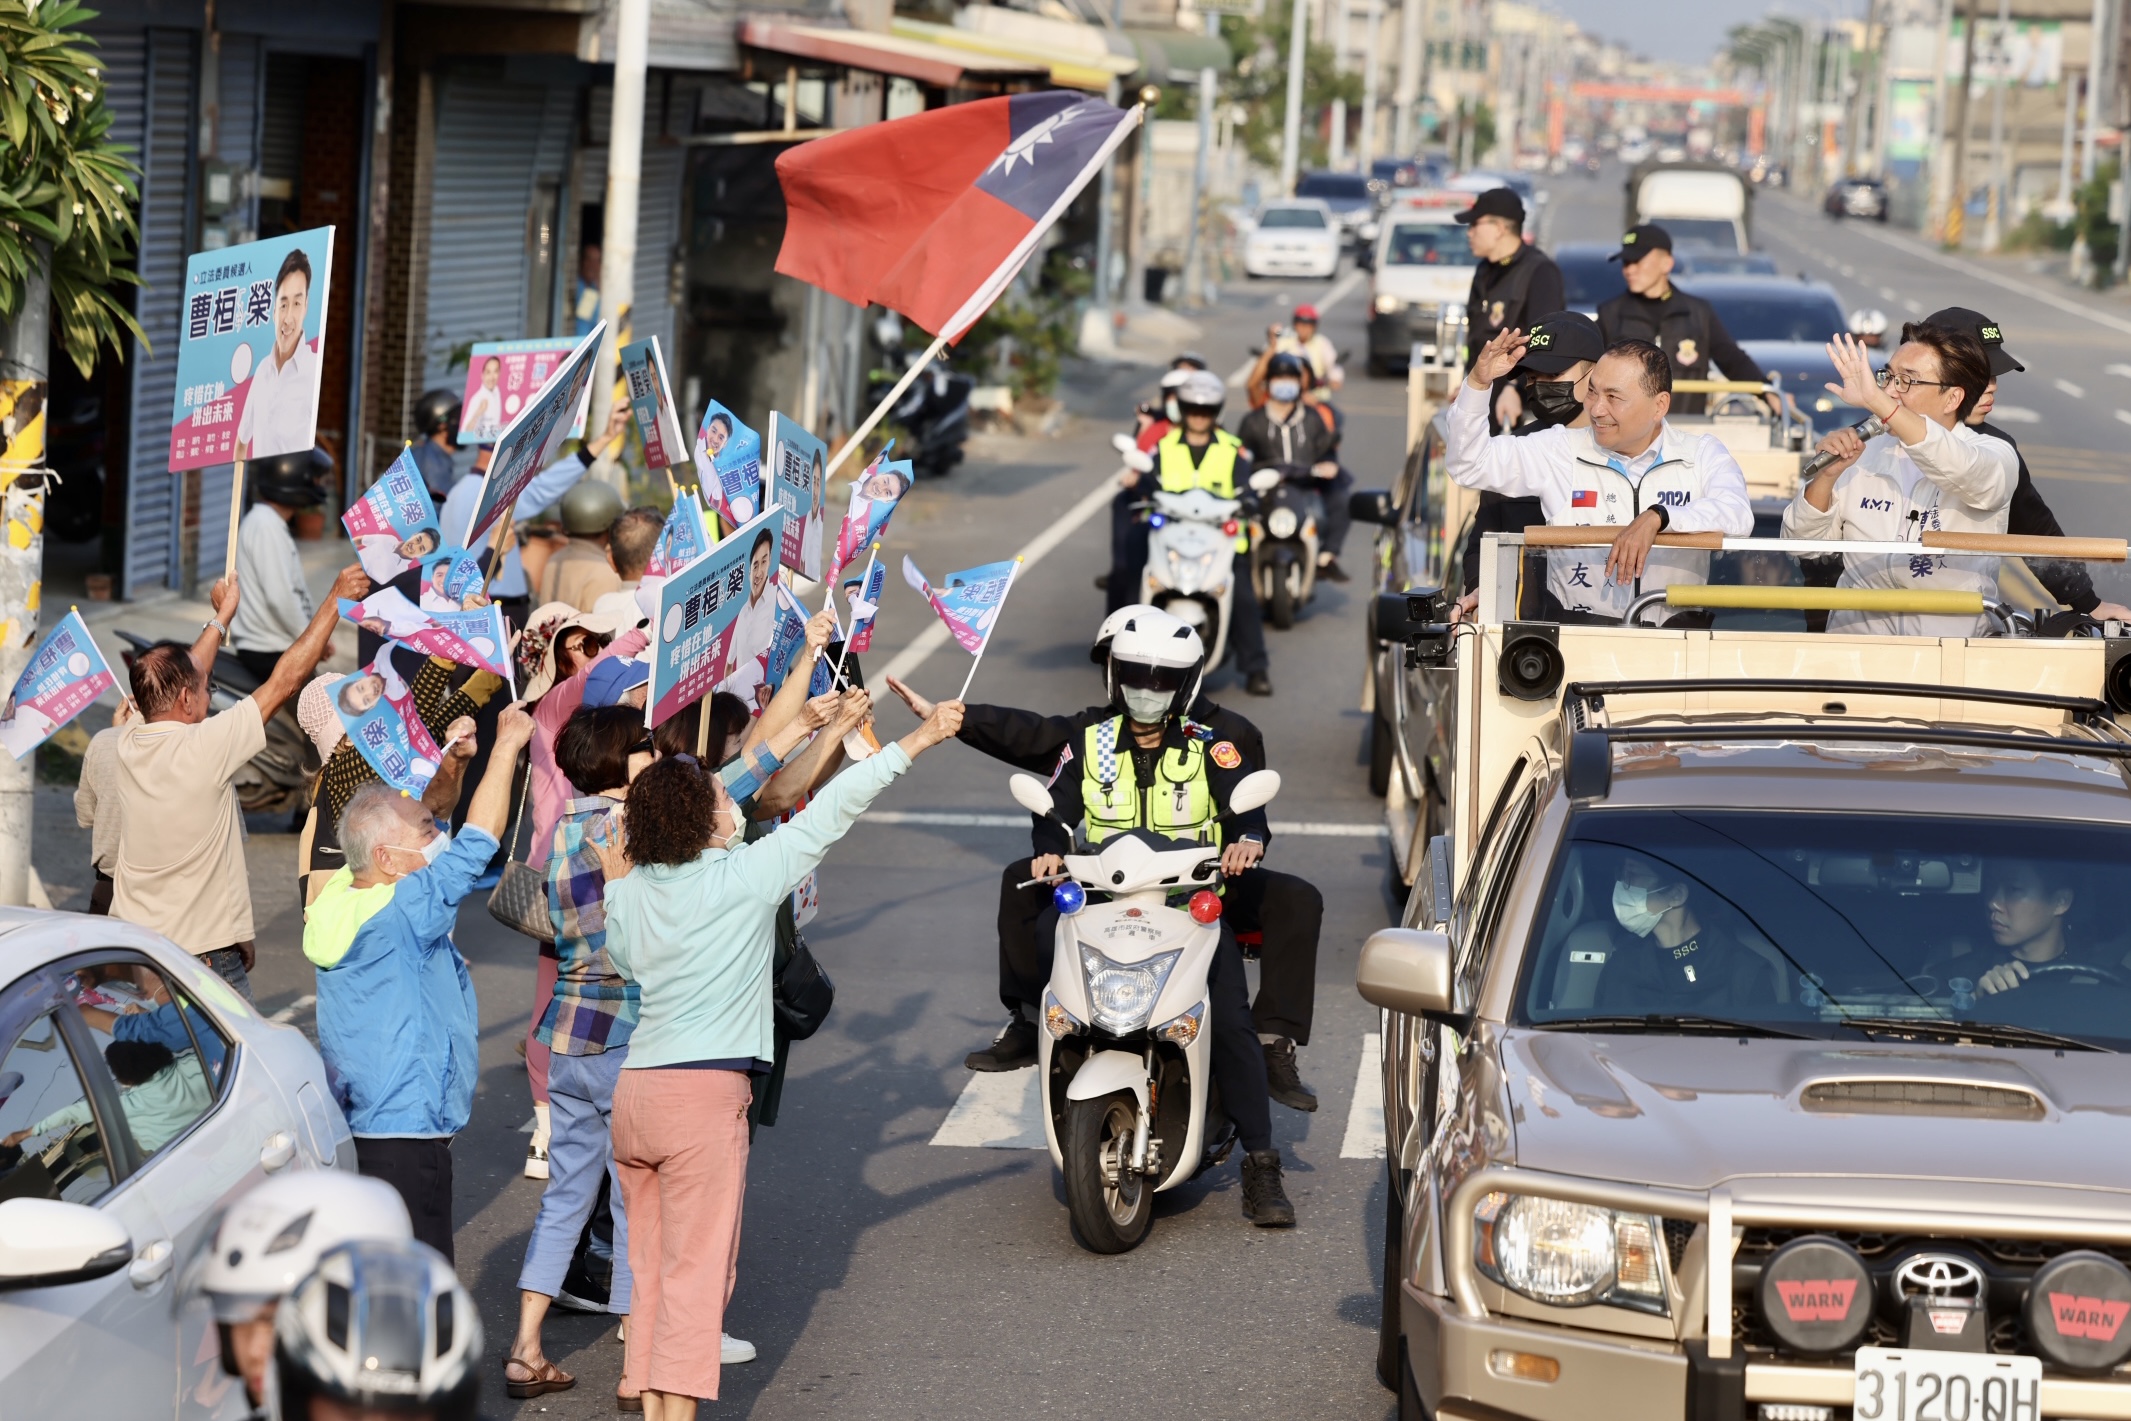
<point>1070,70</point>
<point>904,57</point>
<point>1172,54</point>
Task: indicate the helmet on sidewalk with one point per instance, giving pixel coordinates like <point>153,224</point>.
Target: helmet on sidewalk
<point>1156,664</point>
<point>1202,390</point>
<point>437,411</point>
<point>382,1327</point>
<point>292,480</point>
<point>590,508</point>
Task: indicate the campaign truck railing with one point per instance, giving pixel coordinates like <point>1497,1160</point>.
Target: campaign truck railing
<point>2006,545</point>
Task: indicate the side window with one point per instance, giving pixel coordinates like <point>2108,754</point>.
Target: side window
<point>168,1058</point>
<point>50,1144</point>
<point>1480,901</point>
<point>1500,875</point>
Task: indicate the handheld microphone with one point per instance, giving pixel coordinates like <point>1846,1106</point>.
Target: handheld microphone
<point>1871,428</point>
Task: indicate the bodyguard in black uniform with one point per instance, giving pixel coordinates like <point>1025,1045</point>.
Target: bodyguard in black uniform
<point>1514,281</point>
<point>1685,327</point>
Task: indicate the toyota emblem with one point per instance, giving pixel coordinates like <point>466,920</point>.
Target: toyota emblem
<point>1940,1274</point>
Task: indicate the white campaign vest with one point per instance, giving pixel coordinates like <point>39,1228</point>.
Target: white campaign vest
<point>1598,493</point>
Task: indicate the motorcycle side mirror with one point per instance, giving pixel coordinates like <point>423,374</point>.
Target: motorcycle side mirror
<point>1372,506</point>
<point>1031,794</point>
<point>1264,480</point>
<point>1123,443</point>
<point>1254,791</point>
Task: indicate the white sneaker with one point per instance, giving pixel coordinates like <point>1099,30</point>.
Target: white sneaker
<point>536,1153</point>
<point>732,1350</point>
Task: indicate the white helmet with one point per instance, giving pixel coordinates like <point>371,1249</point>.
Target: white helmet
<point>273,1236</point>
<point>1099,653</point>
<point>1202,390</point>
<point>381,1327</point>
<point>1156,664</point>
<point>1174,379</point>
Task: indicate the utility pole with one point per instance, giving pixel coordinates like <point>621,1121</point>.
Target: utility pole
<point>25,355</point>
<point>1405,137</point>
<point>1957,209</point>
<point>1106,193</point>
<point>1994,217</point>
<point>1291,130</point>
<point>2097,87</point>
<point>1369,86</point>
<point>1195,283</point>
<point>625,175</point>
<point>1340,21</point>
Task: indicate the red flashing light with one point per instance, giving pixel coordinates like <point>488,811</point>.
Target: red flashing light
<point>1206,906</point>
<point>1231,527</point>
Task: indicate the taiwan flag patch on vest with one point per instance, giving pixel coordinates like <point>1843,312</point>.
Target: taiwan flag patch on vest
<point>1584,498</point>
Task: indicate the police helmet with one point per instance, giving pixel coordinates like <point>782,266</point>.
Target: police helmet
<point>437,411</point>
<point>1202,390</point>
<point>292,480</point>
<point>1099,653</point>
<point>590,507</point>
<point>1156,664</point>
<point>380,1327</point>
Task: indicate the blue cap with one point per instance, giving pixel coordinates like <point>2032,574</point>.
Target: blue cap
<point>610,679</point>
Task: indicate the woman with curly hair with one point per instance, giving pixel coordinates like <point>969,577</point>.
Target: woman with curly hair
<point>691,919</point>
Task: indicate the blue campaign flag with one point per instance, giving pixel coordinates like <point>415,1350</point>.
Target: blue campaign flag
<point>729,463</point>
<point>62,680</point>
<point>699,610</point>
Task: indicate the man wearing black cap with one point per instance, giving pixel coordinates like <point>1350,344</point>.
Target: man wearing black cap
<point>1562,346</point>
<point>2067,581</point>
<point>1685,327</point>
<point>1513,282</point>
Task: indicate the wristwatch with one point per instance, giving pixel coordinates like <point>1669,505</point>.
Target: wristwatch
<point>1664,516</point>
<point>220,630</point>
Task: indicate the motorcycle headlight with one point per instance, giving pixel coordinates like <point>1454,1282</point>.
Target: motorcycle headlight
<point>1182,1030</point>
<point>1282,523</point>
<point>1568,1254</point>
<point>1389,304</point>
<point>1122,995</point>
<point>1057,1020</point>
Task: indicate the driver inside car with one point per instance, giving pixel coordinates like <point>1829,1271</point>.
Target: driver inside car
<point>1667,954</point>
<point>2027,903</point>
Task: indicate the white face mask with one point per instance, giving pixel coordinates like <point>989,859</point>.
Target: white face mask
<point>1146,706</point>
<point>1631,906</point>
<point>1285,391</point>
<point>434,849</point>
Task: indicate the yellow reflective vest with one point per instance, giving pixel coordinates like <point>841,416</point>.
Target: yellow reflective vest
<point>1215,472</point>
<point>1178,804</point>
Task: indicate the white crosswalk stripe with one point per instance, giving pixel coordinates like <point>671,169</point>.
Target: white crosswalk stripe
<point>288,1013</point>
<point>1365,1116</point>
<point>997,1110</point>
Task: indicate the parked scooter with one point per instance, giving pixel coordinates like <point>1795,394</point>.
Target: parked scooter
<point>1284,541</point>
<point>1191,558</point>
<point>934,411</point>
<point>280,778</point>
<point>1130,1107</point>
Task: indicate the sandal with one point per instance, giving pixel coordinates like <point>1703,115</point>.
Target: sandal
<point>629,1403</point>
<point>539,1380</point>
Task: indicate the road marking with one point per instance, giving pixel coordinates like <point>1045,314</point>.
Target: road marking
<point>1365,1116</point>
<point>1978,273</point>
<point>288,1013</point>
<point>934,636</point>
<point>1846,269</point>
<point>2012,414</point>
<point>1339,291</point>
<point>2123,370</point>
<point>997,1110</point>
<point>2123,416</point>
<point>1888,294</point>
<point>2068,388</point>
<point>1300,828</point>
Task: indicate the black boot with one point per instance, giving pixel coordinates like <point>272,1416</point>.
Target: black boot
<point>1258,684</point>
<point>1264,1201</point>
<point>1282,1080</point>
<point>1013,1048</point>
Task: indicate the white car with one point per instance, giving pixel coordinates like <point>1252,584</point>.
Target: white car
<point>1299,237</point>
<point>1422,264</point>
<point>139,1096</point>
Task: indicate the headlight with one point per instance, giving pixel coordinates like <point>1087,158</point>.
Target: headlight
<point>1281,523</point>
<point>1568,1254</point>
<point>1057,1020</point>
<point>1123,996</point>
<point>1389,304</point>
<point>1182,1030</point>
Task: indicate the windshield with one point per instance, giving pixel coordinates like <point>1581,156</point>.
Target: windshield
<point>1710,262</point>
<point>1432,244</point>
<point>1844,926</point>
<point>1292,217</point>
<point>1351,187</point>
<point>1588,278</point>
<point>1715,232</point>
<point>1797,313</point>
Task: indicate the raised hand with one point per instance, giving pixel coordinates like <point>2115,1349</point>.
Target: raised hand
<point>919,706</point>
<point>1496,359</point>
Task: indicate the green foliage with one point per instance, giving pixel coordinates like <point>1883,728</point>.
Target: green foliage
<point>1031,329</point>
<point>2091,219</point>
<point>63,183</point>
<point>1259,84</point>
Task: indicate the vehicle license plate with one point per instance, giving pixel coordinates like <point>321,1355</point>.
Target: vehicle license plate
<point>1896,1384</point>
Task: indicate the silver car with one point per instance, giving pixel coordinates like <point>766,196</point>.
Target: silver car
<point>139,1096</point>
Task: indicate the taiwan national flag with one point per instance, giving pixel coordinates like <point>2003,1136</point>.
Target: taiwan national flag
<point>1583,498</point>
<point>932,215</point>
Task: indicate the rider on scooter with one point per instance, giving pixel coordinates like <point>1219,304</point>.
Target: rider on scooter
<point>1290,433</point>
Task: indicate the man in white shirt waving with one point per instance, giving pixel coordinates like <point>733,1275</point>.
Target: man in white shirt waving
<point>1930,472</point>
<point>281,410</point>
<point>1628,469</point>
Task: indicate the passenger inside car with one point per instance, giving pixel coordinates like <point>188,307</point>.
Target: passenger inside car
<point>161,1093</point>
<point>1664,944</point>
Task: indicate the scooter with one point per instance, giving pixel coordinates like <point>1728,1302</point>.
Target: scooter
<point>1283,548</point>
<point>934,411</point>
<point>1130,1108</point>
<point>279,779</point>
<point>1191,558</point>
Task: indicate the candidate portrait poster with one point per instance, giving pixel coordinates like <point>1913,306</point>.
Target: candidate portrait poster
<point>728,458</point>
<point>530,442</point>
<point>63,679</point>
<point>695,625</point>
<point>394,524</point>
<point>658,423</point>
<point>471,638</point>
<point>249,350</point>
<point>376,709</point>
<point>501,376</point>
<point>797,485</point>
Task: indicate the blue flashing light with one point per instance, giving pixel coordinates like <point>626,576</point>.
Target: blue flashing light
<point>1070,897</point>
<point>1156,520</point>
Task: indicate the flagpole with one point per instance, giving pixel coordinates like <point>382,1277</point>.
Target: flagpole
<point>997,612</point>
<point>880,411</point>
<point>863,578</point>
<point>236,514</point>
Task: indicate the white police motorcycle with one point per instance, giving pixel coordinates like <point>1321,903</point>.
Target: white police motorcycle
<point>1125,1053</point>
<point>1191,563</point>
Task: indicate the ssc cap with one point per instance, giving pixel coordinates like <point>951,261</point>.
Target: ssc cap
<point>1559,340</point>
<point>1638,241</point>
<point>1986,330</point>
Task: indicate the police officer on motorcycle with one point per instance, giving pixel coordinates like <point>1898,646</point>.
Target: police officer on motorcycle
<point>1200,454</point>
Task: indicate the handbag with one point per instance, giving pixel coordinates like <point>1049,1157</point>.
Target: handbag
<point>801,992</point>
<point>520,898</point>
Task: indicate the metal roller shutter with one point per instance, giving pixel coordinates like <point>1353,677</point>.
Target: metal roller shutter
<point>166,136</point>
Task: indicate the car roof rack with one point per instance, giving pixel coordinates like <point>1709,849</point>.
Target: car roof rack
<point>1589,769</point>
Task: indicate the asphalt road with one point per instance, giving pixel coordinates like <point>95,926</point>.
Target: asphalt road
<point>884,1275</point>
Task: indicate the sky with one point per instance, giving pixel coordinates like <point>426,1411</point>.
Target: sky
<point>1663,29</point>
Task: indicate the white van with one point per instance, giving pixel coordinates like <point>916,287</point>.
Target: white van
<point>1700,204</point>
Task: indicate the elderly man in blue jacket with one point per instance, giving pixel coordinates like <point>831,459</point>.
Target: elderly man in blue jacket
<point>397,1023</point>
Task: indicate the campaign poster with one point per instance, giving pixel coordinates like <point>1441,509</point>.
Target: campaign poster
<point>658,423</point>
<point>377,711</point>
<point>62,680</point>
<point>684,539</point>
<point>249,343</point>
<point>474,638</point>
<point>394,524</point>
<point>873,498</point>
<point>501,376</point>
<point>788,641</point>
<point>729,465</point>
<point>865,600</point>
<point>755,627</point>
<point>534,436</point>
<point>798,486</point>
<point>969,601</point>
<point>698,610</point>
<point>452,581</point>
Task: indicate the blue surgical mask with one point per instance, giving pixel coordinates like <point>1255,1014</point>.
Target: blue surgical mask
<point>1285,391</point>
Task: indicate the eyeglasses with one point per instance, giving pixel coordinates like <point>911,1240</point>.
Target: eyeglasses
<point>645,746</point>
<point>1903,384</point>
